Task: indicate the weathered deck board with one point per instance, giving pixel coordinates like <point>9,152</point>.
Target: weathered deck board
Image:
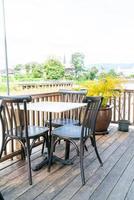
<point>124,182</point>
<point>112,181</point>
<point>114,175</point>
<point>92,169</point>
<point>130,193</point>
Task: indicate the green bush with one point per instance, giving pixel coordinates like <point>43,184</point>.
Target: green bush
<point>54,69</point>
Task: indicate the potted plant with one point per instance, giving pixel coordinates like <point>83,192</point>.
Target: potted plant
<point>105,86</point>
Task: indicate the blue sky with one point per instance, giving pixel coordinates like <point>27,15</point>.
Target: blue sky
<point>102,29</point>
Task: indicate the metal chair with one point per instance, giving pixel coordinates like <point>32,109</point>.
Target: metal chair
<point>14,121</point>
<point>1,196</point>
<point>72,133</point>
<point>69,96</point>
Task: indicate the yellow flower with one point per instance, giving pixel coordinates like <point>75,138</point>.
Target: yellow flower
<point>104,87</point>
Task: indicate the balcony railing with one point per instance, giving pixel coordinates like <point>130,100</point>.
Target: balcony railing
<point>45,85</point>
<point>123,107</point>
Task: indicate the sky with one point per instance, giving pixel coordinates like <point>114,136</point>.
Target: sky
<point>103,30</point>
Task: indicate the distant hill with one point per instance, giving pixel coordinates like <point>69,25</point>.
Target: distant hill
<point>120,67</point>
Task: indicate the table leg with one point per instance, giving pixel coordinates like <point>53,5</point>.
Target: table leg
<point>45,161</point>
<point>50,130</point>
<point>67,150</point>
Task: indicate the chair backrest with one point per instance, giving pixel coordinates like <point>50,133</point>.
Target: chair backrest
<point>13,115</point>
<point>72,95</point>
<point>90,116</point>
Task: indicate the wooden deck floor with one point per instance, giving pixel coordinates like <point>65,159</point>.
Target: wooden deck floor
<point>113,181</point>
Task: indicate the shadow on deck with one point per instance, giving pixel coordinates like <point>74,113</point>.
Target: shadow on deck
<point>115,180</point>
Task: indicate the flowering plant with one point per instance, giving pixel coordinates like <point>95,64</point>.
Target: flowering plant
<point>105,86</point>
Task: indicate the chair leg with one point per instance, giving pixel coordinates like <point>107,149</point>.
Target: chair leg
<point>45,138</point>
<point>23,155</point>
<point>92,140</point>
<point>43,145</point>
<point>81,162</point>
<point>67,149</point>
<point>85,147</point>
<point>2,149</point>
<point>51,154</point>
<point>29,162</point>
<point>1,196</point>
<point>47,149</point>
<point>3,146</point>
<point>96,151</point>
<point>55,142</point>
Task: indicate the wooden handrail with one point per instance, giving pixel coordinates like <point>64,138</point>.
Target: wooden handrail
<point>123,106</point>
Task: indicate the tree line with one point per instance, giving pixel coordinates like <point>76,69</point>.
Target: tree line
<point>54,69</point>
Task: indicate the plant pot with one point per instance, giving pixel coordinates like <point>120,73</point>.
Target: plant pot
<point>124,125</point>
<point>103,120</point>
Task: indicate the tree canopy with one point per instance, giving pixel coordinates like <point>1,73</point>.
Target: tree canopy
<point>54,69</point>
<point>78,62</point>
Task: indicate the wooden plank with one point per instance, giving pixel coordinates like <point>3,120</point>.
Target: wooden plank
<point>113,177</point>
<point>10,166</point>
<point>129,105</point>
<point>94,182</point>
<point>130,194</point>
<point>121,188</point>
<point>10,174</point>
<point>11,155</point>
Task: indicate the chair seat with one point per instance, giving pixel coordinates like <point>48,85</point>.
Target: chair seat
<point>61,122</point>
<point>68,131</point>
<point>33,132</point>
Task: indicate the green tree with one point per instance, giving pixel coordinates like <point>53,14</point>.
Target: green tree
<point>33,70</point>
<point>28,67</point>
<point>93,73</point>
<point>19,71</point>
<point>37,70</point>
<point>18,68</point>
<point>29,71</point>
<point>110,73</point>
<point>78,62</point>
<point>54,69</point>
<point>113,73</point>
<point>89,74</point>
